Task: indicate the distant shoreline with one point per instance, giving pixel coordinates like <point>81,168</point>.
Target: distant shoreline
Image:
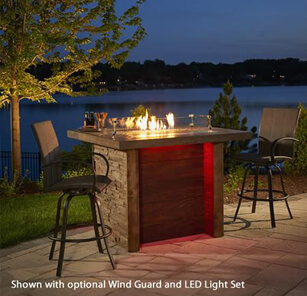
<point>188,86</point>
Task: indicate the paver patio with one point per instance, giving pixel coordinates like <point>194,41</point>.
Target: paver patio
<point>268,261</point>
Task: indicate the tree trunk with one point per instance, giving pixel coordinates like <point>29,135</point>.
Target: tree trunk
<point>15,137</point>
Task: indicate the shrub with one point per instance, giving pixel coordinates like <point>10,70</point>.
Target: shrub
<point>80,153</point>
<point>140,111</point>
<point>235,178</point>
<point>8,188</point>
<point>76,173</point>
<point>40,182</point>
<point>299,164</point>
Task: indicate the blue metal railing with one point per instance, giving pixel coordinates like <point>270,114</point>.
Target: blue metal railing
<point>30,165</point>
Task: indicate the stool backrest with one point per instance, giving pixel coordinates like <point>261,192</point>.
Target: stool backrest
<point>49,150</point>
<point>277,123</point>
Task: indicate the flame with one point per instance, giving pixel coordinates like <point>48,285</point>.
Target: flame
<point>152,123</point>
<point>149,122</point>
<point>155,124</point>
<point>141,122</point>
<point>130,122</point>
<point>171,120</point>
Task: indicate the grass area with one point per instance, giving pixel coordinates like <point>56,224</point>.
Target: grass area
<point>31,216</point>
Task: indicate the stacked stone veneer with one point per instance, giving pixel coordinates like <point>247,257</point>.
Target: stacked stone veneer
<point>114,199</point>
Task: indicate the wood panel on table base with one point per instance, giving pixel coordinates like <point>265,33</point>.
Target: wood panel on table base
<point>180,191</point>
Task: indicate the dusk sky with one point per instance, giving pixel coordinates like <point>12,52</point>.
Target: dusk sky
<point>222,30</point>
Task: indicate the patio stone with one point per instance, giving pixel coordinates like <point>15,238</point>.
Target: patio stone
<point>249,290</point>
<point>184,259</point>
<point>15,249</point>
<point>298,261</point>
<point>165,264</point>
<point>122,273</point>
<point>299,290</point>
<point>4,258</point>
<point>86,268</point>
<point>13,292</point>
<point>229,242</point>
<point>261,254</point>
<point>203,265</point>
<point>22,274</point>
<point>75,252</point>
<point>30,260</point>
<point>155,276</point>
<point>283,245</point>
<point>240,232</point>
<point>272,262</point>
<point>135,260</point>
<point>292,230</point>
<point>207,251</point>
<point>51,275</point>
<point>5,279</point>
<point>270,292</point>
<point>237,268</point>
<point>289,237</point>
<point>158,249</point>
<point>28,251</point>
<point>294,222</point>
<point>279,277</point>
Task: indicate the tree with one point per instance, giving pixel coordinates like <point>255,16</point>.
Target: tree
<point>69,35</point>
<point>226,114</point>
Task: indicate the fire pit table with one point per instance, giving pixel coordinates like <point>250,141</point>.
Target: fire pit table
<point>166,184</point>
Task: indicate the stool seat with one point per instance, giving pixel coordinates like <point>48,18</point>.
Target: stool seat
<point>82,183</point>
<point>253,157</point>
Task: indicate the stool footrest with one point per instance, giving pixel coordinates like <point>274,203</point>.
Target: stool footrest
<point>263,199</point>
<point>79,240</point>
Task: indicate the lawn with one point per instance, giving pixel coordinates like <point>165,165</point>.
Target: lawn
<point>31,216</point>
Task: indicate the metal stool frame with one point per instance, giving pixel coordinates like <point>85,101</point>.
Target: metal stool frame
<point>95,205</point>
<point>270,190</point>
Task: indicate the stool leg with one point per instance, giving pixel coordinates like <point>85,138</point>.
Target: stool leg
<point>281,180</point>
<point>237,211</point>
<point>242,191</point>
<point>289,211</point>
<point>271,197</point>
<point>92,202</point>
<point>104,233</point>
<point>283,190</point>
<point>255,189</point>
<point>57,222</point>
<point>63,236</point>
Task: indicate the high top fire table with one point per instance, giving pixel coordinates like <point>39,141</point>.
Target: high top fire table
<point>166,184</point>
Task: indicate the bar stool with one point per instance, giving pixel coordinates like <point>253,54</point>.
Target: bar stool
<point>276,144</point>
<point>83,185</point>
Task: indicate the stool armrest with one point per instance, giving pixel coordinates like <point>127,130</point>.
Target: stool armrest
<point>274,144</point>
<point>106,161</point>
<point>97,154</point>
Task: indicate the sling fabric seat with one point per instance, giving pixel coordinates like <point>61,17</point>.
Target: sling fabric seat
<point>81,182</point>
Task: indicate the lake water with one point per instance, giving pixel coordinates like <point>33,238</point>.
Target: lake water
<point>68,113</point>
